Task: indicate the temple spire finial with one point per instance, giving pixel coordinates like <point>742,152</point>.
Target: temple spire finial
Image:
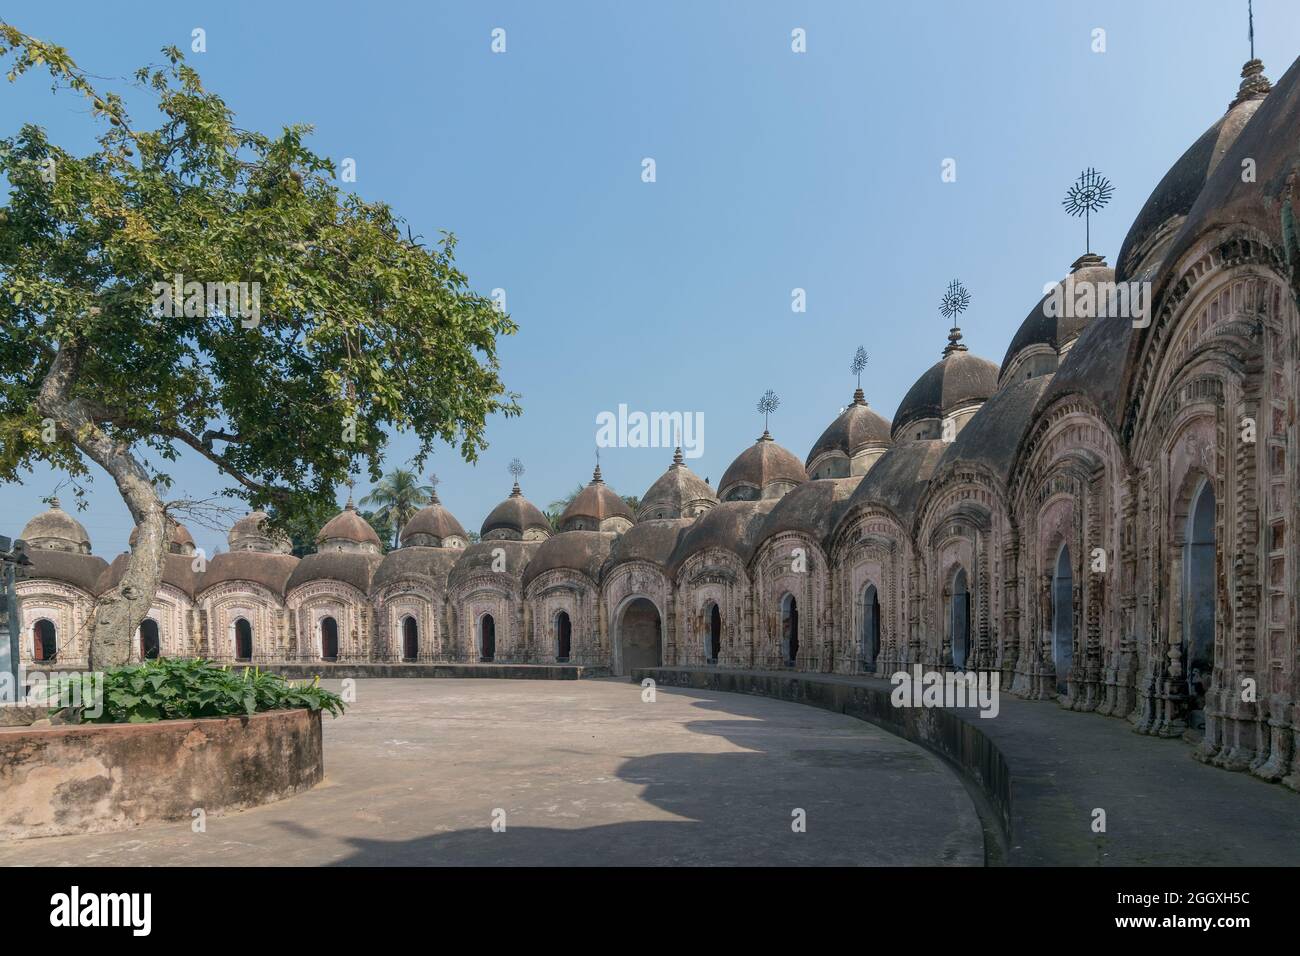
<point>516,468</point>
<point>434,481</point>
<point>955,301</point>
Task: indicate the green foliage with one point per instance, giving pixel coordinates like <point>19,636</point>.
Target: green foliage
<point>398,495</point>
<point>363,329</point>
<point>173,689</point>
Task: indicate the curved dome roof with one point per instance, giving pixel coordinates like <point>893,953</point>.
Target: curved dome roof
<point>583,551</point>
<point>596,502</point>
<point>516,514</point>
<point>813,508</point>
<point>81,570</point>
<point>182,540</point>
<point>957,379</point>
<point>674,492</point>
<point>761,464</point>
<point>732,525</point>
<point>1171,201</point>
<point>1270,142</point>
<point>350,567</point>
<point>433,520</point>
<point>857,427</point>
<point>483,557</point>
<point>898,480</point>
<point>651,539</point>
<point>993,434</point>
<point>428,565</point>
<point>178,572</point>
<point>1054,331</point>
<point>250,533</point>
<point>348,525</point>
<point>270,569</point>
<point>57,527</point>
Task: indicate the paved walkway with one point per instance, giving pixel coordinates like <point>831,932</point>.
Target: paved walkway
<point>1162,807</point>
<point>586,774</point>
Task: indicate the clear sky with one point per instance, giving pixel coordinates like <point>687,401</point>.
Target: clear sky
<point>775,171</point>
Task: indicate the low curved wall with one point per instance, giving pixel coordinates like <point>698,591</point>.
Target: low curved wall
<point>328,671</point>
<point>948,733</point>
<point>92,777</point>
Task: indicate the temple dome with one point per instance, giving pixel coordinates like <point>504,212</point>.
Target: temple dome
<point>581,551</point>
<point>348,531</point>
<point>851,443</point>
<point>56,530</point>
<point>182,540</point>
<point>250,533</point>
<point>596,508</point>
<point>1042,340</point>
<point>516,519</point>
<point>1169,204</point>
<point>763,470</point>
<point>955,385</point>
<point>433,526</point>
<point>677,493</point>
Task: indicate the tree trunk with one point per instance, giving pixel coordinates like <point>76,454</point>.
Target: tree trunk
<point>119,611</point>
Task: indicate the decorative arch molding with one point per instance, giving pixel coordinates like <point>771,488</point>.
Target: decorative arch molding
<point>713,575</point>
<point>220,606</point>
<point>1232,288</point>
<point>792,562</point>
<point>872,547</point>
<point>577,595</point>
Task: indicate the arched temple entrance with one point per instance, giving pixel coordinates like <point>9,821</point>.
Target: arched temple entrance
<point>410,639</point>
<point>959,619</point>
<point>563,637</point>
<point>789,629</point>
<point>44,646</point>
<point>1063,619</point>
<point>1199,588</point>
<point>150,646</point>
<point>487,638</point>
<point>640,636</point>
<point>329,639</point>
<point>715,634</point>
<point>243,640</point>
<point>870,637</point>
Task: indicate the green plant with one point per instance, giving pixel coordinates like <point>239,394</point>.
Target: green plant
<point>180,689</point>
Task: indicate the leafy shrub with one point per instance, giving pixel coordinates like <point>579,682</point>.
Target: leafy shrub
<point>177,689</point>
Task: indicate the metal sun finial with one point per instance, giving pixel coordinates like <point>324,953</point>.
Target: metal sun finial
<point>1088,194</point>
<point>516,468</point>
<point>1250,15</point>
<point>769,403</point>
<point>955,301</point>
<point>859,363</point>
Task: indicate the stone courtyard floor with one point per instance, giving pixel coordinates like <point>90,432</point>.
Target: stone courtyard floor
<point>587,774</point>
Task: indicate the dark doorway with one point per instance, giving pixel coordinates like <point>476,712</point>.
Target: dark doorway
<point>487,638</point>
<point>329,639</point>
<point>150,647</point>
<point>1063,619</point>
<point>44,646</point>
<point>563,637</point>
<point>960,619</point>
<point>789,629</point>
<point>715,633</point>
<point>1199,602</point>
<point>410,639</point>
<point>640,640</point>
<point>870,627</point>
<point>243,640</point>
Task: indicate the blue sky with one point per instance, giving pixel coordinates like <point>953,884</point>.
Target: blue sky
<point>775,171</point>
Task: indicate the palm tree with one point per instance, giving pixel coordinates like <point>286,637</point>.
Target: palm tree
<point>557,507</point>
<point>397,497</point>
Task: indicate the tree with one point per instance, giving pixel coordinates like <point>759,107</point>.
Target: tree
<point>208,289</point>
<point>399,495</point>
<point>555,511</point>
